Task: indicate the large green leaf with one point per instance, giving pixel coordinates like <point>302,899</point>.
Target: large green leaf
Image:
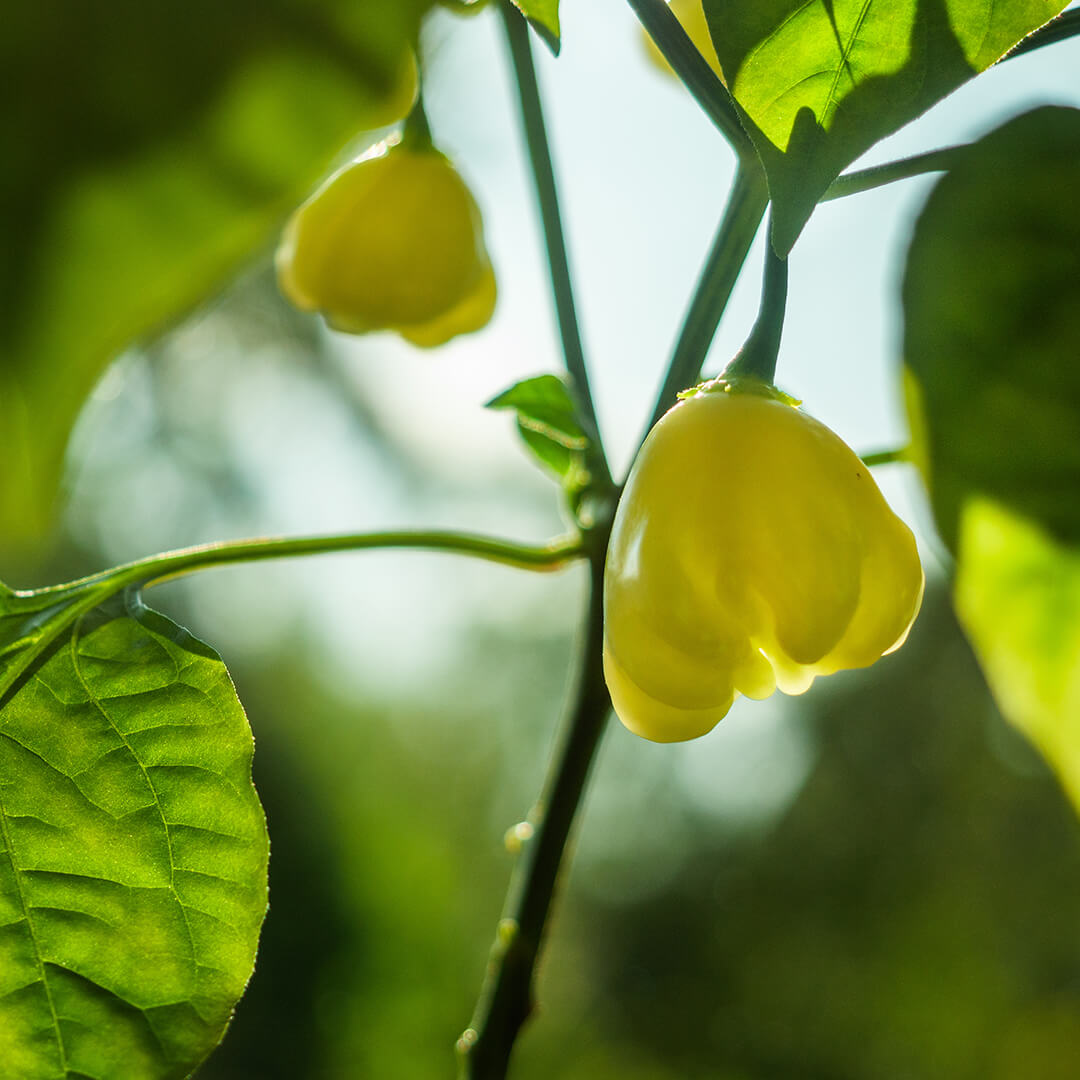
<point>818,82</point>
<point>992,326</point>
<point>991,340</point>
<point>148,150</point>
<point>133,849</point>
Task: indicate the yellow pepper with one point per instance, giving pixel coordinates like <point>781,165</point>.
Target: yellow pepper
<point>393,241</point>
<point>751,550</point>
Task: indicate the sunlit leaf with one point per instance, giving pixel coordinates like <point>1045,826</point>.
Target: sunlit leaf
<point>817,83</point>
<point>543,16</point>
<point>148,151</point>
<point>133,849</point>
<point>1018,598</point>
<point>992,326</point>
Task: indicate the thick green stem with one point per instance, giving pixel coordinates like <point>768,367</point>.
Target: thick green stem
<point>757,358</point>
<point>730,246</point>
<point>693,69</point>
<point>532,119</point>
<point>506,998</point>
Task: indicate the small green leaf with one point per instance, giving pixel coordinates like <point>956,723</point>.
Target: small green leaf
<point>992,327</point>
<point>818,83</point>
<point>544,405</point>
<point>543,16</point>
<point>548,423</point>
<point>1018,598</point>
<point>133,849</point>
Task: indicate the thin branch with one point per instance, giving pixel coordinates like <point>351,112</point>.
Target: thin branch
<point>693,69</point>
<point>170,564</point>
<point>532,118</point>
<point>506,998</point>
<point>877,175</point>
<point>731,244</point>
<point>886,457</point>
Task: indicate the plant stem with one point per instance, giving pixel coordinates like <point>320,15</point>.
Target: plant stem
<point>877,175</point>
<point>532,119</point>
<point>886,457</point>
<point>757,358</point>
<point>1065,25</point>
<point>731,244</point>
<point>693,69</point>
<point>170,564</point>
<point>506,998</point>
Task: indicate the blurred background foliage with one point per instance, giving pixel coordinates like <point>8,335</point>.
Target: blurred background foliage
<point>877,880</point>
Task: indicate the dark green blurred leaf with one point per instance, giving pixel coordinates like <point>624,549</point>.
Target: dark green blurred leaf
<point>992,337</point>
<point>133,850</point>
<point>992,327</point>
<point>543,16</point>
<point>149,149</point>
<point>1018,597</point>
<point>819,84</point>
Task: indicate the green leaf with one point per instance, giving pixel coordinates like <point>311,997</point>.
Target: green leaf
<point>133,849</point>
<point>543,16</point>
<point>149,151</point>
<point>549,425</point>
<point>992,327</point>
<point>991,340</point>
<point>1018,598</point>
<point>819,83</point>
<point>544,405</point>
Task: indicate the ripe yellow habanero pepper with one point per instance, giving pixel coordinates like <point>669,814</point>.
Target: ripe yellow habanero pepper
<point>751,550</point>
<point>393,241</point>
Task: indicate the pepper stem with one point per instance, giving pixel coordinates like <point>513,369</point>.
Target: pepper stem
<point>757,357</point>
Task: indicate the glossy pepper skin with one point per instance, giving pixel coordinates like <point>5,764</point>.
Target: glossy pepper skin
<point>393,241</point>
<point>751,550</point>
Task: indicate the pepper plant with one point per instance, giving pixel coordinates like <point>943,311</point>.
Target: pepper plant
<point>133,850</point>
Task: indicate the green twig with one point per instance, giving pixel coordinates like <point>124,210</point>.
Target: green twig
<point>532,118</point>
<point>886,457</point>
<point>506,998</point>
<point>170,564</point>
<point>1066,25</point>
<point>693,69</point>
<point>757,358</point>
<point>731,244</point>
<point>65,604</point>
<point>877,175</point>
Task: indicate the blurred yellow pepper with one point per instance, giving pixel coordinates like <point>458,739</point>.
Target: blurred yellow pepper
<point>751,550</point>
<point>692,16</point>
<point>393,241</point>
